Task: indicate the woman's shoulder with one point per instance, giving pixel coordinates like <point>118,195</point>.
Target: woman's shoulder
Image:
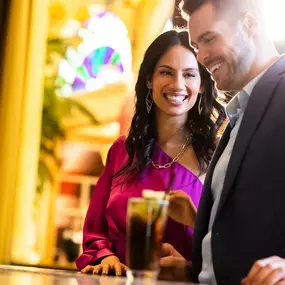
<point>118,155</point>
<point>118,149</point>
<point>119,144</point>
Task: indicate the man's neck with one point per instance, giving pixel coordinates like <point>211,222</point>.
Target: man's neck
<point>264,59</point>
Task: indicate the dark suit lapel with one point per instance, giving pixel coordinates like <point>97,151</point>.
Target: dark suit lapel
<point>205,207</point>
<point>206,201</point>
<point>257,104</point>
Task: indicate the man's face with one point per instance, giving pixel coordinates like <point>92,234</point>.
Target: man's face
<point>223,47</point>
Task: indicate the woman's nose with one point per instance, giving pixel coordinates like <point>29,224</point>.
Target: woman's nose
<point>179,82</point>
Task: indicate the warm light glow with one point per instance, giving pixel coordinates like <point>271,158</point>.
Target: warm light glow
<point>70,29</point>
<point>275,21</point>
<point>168,26</point>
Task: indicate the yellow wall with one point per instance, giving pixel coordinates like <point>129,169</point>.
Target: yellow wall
<point>20,123</point>
<point>151,17</point>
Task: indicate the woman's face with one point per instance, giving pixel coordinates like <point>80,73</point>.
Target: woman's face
<point>176,82</point>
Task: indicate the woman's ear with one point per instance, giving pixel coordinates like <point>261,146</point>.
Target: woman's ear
<point>149,84</point>
<point>201,90</point>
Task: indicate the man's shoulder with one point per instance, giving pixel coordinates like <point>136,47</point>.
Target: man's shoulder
<point>277,68</point>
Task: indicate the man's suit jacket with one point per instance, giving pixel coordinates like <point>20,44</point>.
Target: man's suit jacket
<point>250,221</point>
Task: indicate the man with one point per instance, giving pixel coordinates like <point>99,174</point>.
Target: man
<point>240,226</point>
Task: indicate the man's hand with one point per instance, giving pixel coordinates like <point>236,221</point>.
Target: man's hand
<point>173,267</point>
<point>269,271</point>
<point>109,263</point>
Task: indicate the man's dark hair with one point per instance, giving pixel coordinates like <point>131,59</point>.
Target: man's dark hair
<point>231,7</point>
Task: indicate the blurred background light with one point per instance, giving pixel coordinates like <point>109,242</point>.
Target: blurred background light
<point>274,15</point>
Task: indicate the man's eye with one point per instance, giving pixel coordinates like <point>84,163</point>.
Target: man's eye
<point>208,40</point>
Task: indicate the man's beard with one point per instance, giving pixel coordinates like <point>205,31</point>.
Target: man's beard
<point>241,62</point>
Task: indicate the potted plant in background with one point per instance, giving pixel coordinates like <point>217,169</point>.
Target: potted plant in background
<point>55,110</point>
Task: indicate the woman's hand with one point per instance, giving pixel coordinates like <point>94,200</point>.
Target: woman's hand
<point>109,263</point>
<point>181,208</point>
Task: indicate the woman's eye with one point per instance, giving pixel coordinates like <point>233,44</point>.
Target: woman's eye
<point>164,72</point>
<point>188,75</point>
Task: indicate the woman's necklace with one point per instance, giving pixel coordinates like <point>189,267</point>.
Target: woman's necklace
<point>176,158</point>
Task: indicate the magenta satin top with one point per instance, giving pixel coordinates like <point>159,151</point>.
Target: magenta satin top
<point>104,231</point>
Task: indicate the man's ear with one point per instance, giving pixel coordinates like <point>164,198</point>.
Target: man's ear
<point>250,24</point>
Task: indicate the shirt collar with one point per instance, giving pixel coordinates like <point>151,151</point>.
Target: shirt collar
<point>249,87</point>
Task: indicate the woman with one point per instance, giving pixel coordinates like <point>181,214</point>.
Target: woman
<point>173,129</point>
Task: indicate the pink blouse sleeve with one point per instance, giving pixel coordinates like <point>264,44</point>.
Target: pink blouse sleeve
<point>96,243</point>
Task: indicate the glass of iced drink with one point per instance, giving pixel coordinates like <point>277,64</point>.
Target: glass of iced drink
<point>146,219</point>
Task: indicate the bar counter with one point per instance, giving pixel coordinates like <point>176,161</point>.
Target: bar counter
<point>20,275</point>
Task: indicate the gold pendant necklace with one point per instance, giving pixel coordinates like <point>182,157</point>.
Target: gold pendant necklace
<point>176,158</point>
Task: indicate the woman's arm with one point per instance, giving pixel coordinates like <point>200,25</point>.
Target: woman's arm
<point>96,243</point>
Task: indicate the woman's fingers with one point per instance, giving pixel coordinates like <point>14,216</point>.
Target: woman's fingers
<point>87,269</point>
<point>97,269</point>
<point>125,267</point>
<point>105,269</point>
<point>118,269</point>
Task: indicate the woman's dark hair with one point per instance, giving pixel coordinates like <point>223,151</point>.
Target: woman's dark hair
<point>143,131</point>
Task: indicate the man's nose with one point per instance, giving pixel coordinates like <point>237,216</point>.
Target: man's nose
<point>203,55</point>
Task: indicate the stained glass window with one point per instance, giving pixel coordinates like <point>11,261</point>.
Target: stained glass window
<point>103,57</point>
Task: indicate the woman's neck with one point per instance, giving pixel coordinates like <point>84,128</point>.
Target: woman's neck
<point>171,130</point>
